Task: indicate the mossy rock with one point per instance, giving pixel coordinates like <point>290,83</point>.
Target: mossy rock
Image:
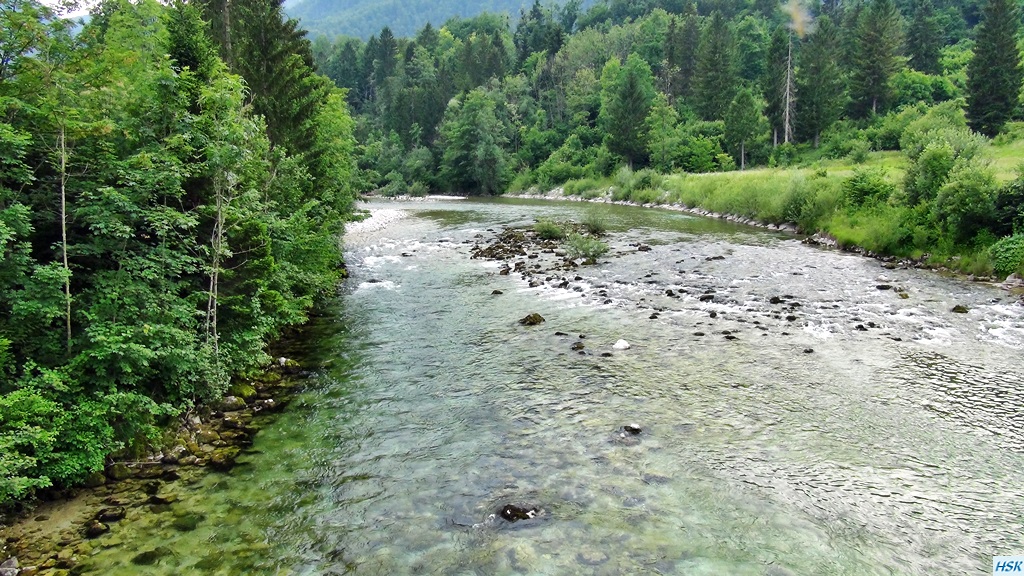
<point>244,390</point>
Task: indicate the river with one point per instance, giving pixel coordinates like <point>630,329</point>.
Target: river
<point>806,418</point>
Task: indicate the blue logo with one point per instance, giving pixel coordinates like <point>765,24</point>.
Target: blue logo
<point>1008,565</point>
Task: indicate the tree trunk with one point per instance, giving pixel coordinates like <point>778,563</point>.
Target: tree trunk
<point>743,155</point>
<point>788,111</point>
<point>63,151</point>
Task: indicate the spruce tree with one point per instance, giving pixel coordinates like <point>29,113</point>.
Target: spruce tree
<point>778,83</point>
<point>627,93</point>
<point>715,81</point>
<point>820,81</point>
<point>924,38</point>
<point>879,39</point>
<point>994,73</point>
<point>744,124</point>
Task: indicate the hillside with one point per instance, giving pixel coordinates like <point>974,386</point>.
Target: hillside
<point>364,18</point>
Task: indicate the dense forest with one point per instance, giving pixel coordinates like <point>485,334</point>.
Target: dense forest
<point>626,91</point>
<point>173,181</point>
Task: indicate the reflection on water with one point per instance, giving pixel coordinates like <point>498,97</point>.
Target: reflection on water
<point>842,429</point>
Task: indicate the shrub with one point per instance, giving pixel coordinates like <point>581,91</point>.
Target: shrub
<point>1008,255</point>
<point>867,185</point>
<point>966,202</point>
<point>522,182</point>
<point>594,223</point>
<point>548,230</point>
<point>418,189</point>
<point>580,246</point>
<point>1009,216</point>
<point>859,151</point>
<point>583,187</point>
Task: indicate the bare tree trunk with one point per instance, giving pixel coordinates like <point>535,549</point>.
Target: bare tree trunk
<point>63,151</point>
<point>216,245</point>
<point>743,155</point>
<point>788,111</point>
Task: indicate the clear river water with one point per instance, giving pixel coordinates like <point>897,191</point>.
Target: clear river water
<point>806,419</point>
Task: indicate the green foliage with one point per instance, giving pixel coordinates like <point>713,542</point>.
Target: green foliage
<point>878,43</point>
<point>548,230</point>
<point>966,201</point>
<point>586,247</point>
<point>191,238</point>
<point>474,159</point>
<point>994,74</point>
<point>1009,215</point>
<point>859,151</point>
<point>627,93</point>
<point>1008,255</point>
<point>594,223</point>
<point>867,185</point>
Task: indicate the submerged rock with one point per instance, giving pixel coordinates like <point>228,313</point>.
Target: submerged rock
<point>513,513</point>
<point>150,557</point>
<point>576,346</point>
<point>95,529</point>
<point>110,514</point>
<point>532,319</point>
<point>633,429</point>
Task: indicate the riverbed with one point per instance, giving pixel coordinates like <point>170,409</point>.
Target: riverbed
<point>801,411</point>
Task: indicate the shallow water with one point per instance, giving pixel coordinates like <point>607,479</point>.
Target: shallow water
<point>894,446</point>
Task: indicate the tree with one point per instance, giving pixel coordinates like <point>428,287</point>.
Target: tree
<point>661,128</point>
<point>924,39</point>
<point>820,81</point>
<point>472,138</point>
<point>994,73</point>
<point>626,96</point>
<point>779,85</point>
<point>744,124</point>
<point>681,43</point>
<point>715,80</point>
<point>879,38</point>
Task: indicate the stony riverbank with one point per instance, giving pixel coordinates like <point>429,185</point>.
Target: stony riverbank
<point>1014,284</point>
<point>52,537</point>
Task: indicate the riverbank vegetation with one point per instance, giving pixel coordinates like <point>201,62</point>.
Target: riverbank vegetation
<point>890,125</point>
<point>171,196</point>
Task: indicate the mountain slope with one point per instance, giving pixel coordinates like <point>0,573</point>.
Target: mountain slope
<point>364,18</point>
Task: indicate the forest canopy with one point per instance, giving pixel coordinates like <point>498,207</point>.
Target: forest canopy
<point>167,207</point>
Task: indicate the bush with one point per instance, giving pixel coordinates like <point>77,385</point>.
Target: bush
<point>580,246</point>
<point>1008,255</point>
<point>859,151</point>
<point>522,182</point>
<point>418,189</point>
<point>867,185</point>
<point>548,230</point>
<point>1009,216</point>
<point>966,202</point>
<point>594,223</point>
<point>586,187</point>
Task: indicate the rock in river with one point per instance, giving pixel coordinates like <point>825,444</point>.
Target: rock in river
<point>960,309</point>
<point>621,345</point>
<point>532,320</point>
<point>514,513</point>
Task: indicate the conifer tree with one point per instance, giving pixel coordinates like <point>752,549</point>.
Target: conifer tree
<point>879,39</point>
<point>924,38</point>
<point>994,73</point>
<point>626,96</point>
<point>820,81</point>
<point>715,81</point>
<point>744,124</point>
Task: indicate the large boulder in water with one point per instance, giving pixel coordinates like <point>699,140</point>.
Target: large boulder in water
<point>532,320</point>
<point>621,345</point>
